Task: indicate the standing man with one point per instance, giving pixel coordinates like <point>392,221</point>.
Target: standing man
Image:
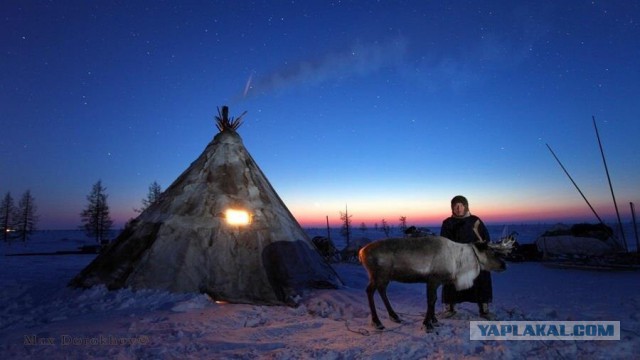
<point>465,228</point>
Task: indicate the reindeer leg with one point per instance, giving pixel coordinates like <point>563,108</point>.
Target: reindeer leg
<point>432,295</point>
<point>375,321</point>
<point>382,290</point>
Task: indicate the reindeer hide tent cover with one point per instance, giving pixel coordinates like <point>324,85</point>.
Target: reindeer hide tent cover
<point>182,243</point>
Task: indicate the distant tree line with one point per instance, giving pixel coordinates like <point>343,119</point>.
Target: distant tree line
<point>152,196</point>
<point>346,227</point>
<point>18,221</point>
<point>350,252</point>
<point>96,218</point>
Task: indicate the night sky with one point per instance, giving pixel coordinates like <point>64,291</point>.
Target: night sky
<point>389,107</point>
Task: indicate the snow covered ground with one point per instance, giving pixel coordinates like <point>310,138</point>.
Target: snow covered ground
<point>40,318</point>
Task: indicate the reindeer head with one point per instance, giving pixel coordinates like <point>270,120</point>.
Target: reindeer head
<point>488,258</point>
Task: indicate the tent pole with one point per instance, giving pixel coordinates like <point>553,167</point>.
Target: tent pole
<point>328,229</point>
<point>635,226</point>
<point>606,169</point>
<point>576,185</point>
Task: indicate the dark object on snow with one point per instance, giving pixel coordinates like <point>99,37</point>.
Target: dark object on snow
<point>580,240</point>
<point>326,248</point>
<point>597,231</point>
<point>350,253</point>
<point>413,231</point>
<point>524,252</point>
<point>90,249</point>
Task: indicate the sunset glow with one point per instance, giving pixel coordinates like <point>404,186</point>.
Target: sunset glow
<point>390,108</point>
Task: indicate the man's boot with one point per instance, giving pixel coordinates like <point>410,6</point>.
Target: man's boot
<point>449,311</point>
<point>484,311</point>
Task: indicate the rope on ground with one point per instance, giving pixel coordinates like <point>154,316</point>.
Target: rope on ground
<point>361,331</point>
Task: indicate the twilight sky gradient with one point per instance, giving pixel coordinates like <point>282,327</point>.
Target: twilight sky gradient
<point>391,107</point>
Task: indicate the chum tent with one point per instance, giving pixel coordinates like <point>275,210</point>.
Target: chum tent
<point>186,241</point>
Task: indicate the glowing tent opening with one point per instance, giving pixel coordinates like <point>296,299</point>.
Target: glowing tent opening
<point>237,217</point>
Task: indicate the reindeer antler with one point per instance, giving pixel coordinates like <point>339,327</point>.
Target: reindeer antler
<point>505,245</point>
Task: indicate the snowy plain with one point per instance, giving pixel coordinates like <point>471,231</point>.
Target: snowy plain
<point>41,318</point>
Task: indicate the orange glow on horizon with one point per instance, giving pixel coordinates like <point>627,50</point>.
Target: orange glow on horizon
<point>490,216</point>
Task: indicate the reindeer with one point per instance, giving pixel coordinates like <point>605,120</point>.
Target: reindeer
<point>434,260</point>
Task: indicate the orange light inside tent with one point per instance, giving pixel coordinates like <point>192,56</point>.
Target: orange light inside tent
<point>237,217</point>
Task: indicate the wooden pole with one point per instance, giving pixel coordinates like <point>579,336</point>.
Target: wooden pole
<point>347,225</point>
<point>576,185</point>
<point>635,226</point>
<point>328,229</point>
<point>615,204</point>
